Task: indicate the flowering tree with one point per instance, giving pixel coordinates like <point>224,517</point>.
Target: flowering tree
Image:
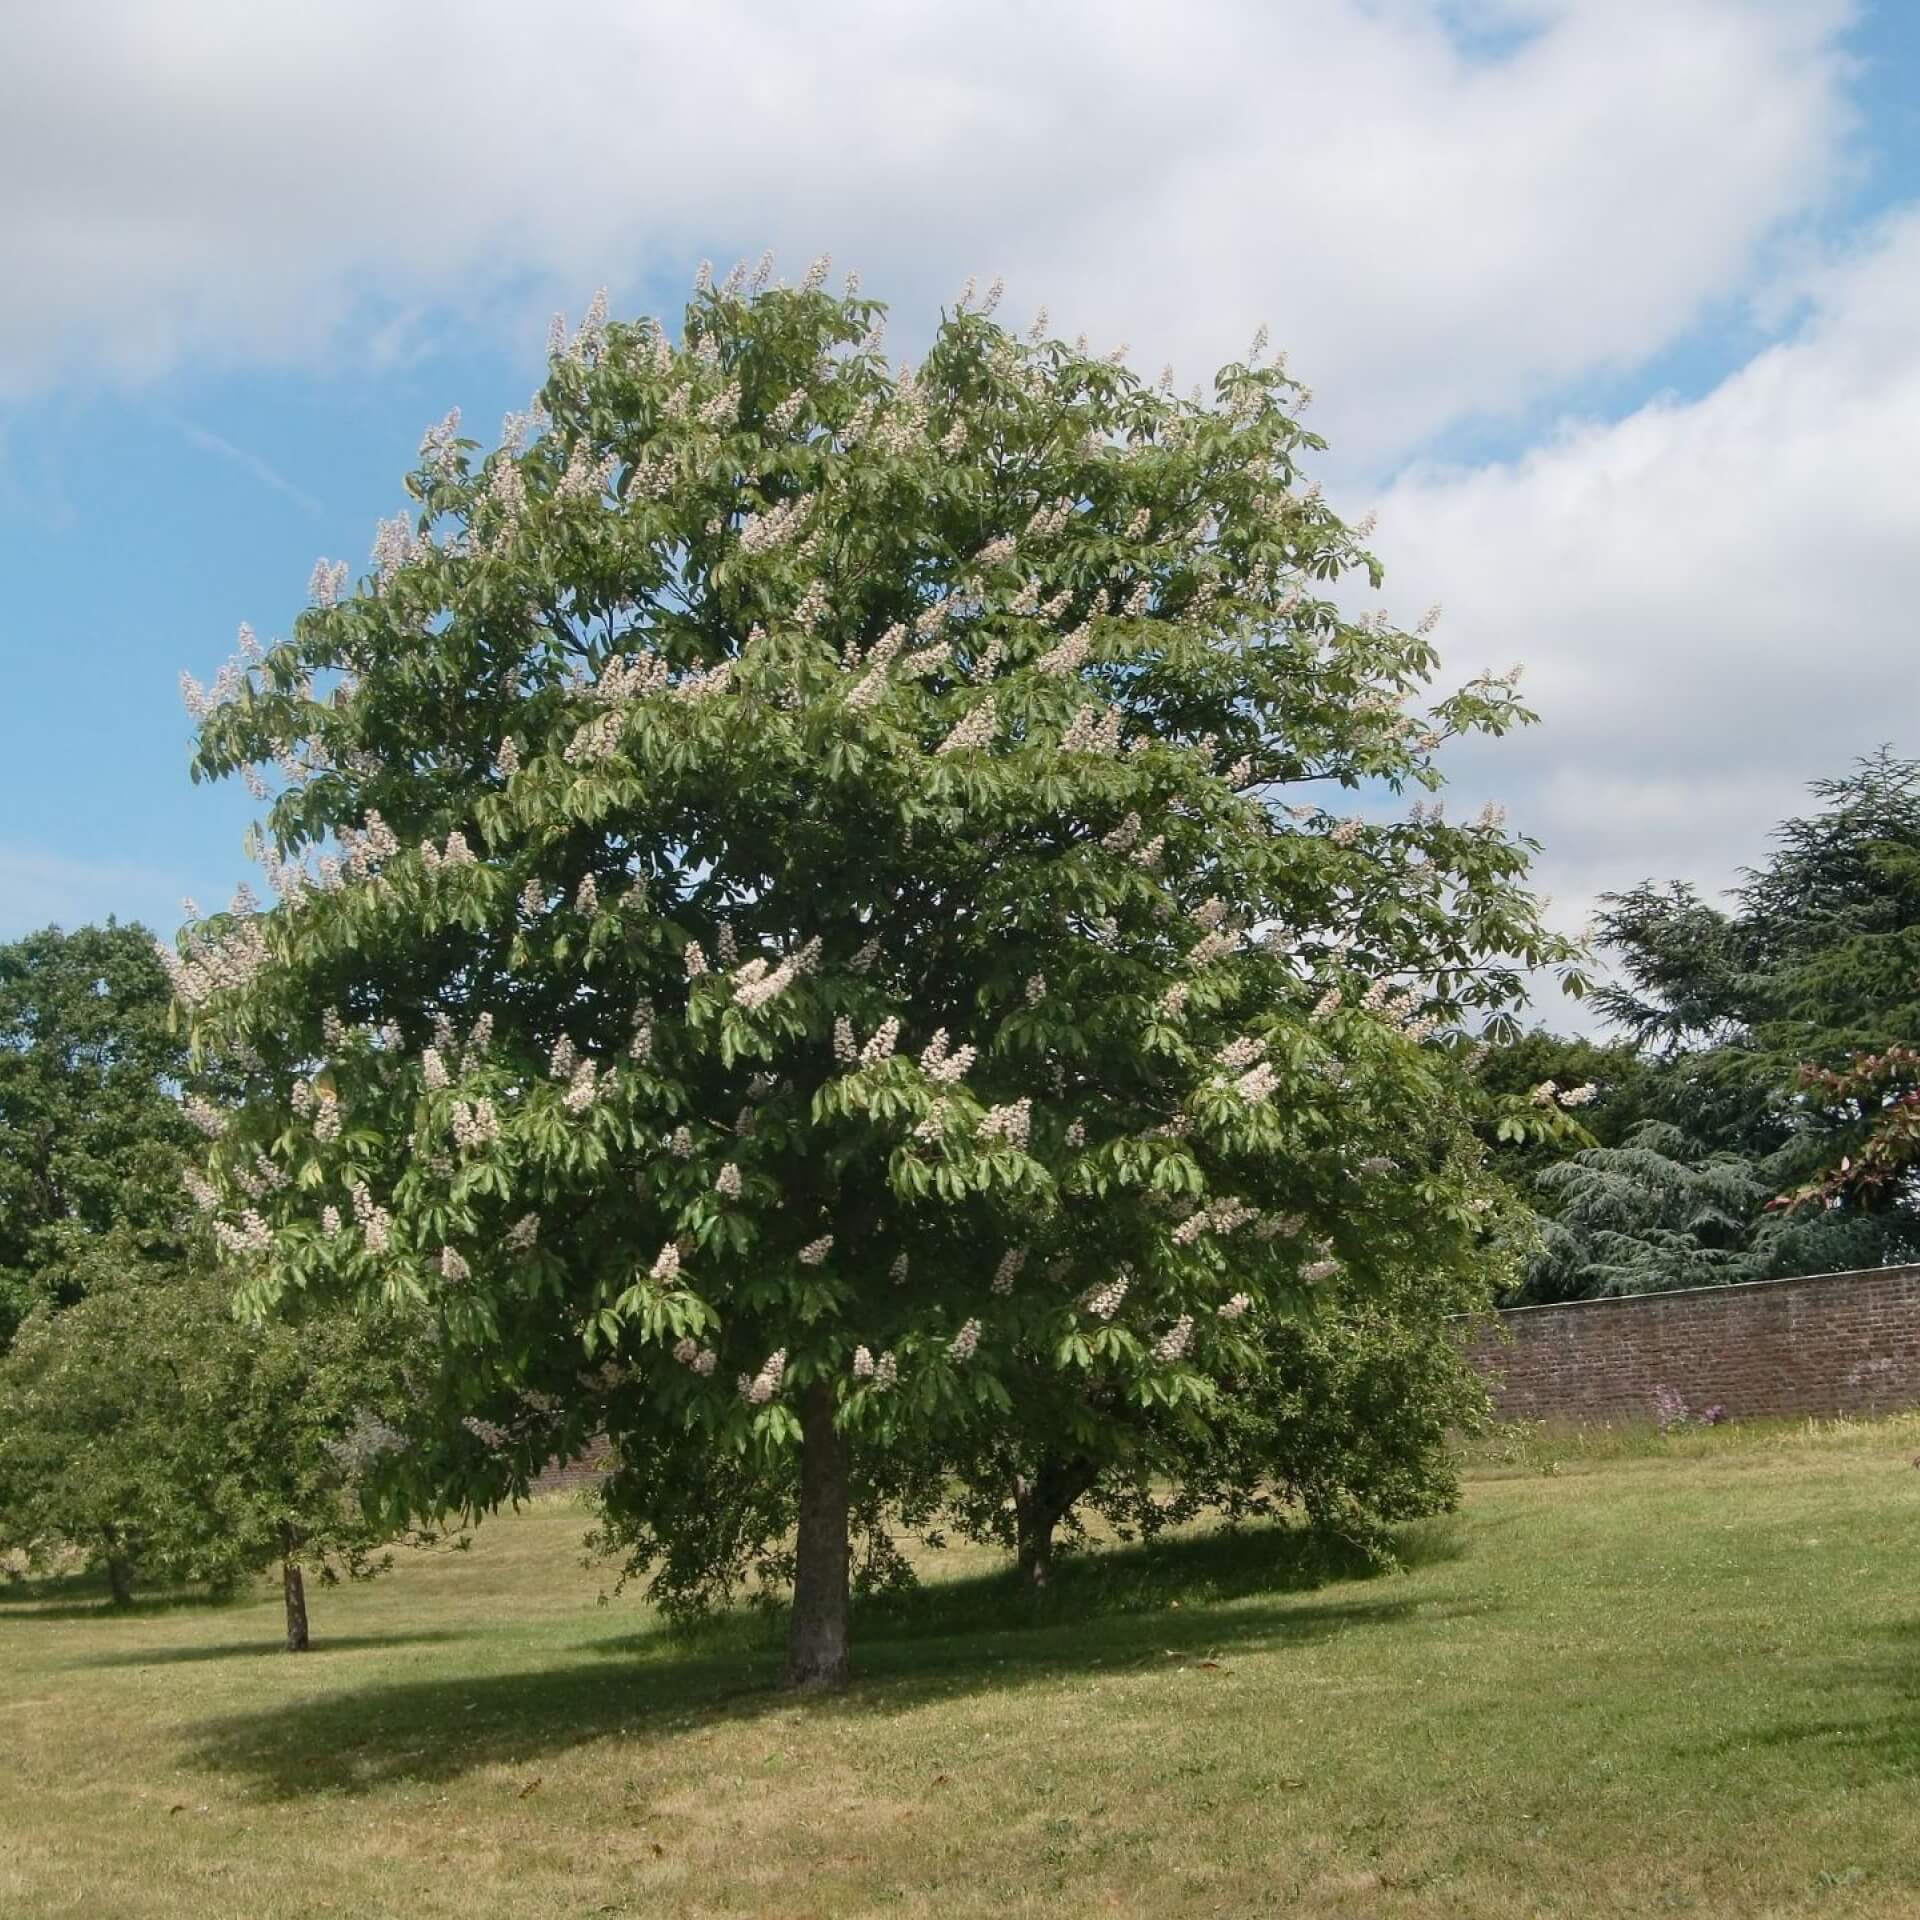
<point>789,899</point>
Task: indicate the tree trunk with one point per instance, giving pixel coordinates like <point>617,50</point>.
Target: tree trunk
<point>1034,1542</point>
<point>1039,1505</point>
<point>817,1634</point>
<point>119,1574</point>
<point>294,1588</point>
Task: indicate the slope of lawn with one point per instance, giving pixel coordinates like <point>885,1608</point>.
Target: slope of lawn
<point>1632,1677</point>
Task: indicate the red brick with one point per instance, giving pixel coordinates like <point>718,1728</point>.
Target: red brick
<point>1822,1344</point>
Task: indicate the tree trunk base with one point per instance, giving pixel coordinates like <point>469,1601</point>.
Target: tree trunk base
<point>829,1674</point>
<point>1039,1506</point>
<point>1035,1564</point>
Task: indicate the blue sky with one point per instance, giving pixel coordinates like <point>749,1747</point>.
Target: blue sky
<point>1603,303</point>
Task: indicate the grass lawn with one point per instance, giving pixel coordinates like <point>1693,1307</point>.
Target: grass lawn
<point>1665,1676</point>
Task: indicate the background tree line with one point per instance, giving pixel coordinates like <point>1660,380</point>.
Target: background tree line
<point>1753,1114</point>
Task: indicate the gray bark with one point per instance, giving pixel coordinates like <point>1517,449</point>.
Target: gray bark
<point>294,1588</point>
<point>1039,1505</point>
<point>119,1577</point>
<point>822,1572</point>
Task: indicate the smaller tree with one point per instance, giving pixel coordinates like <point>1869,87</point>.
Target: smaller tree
<point>1343,1415</point>
<point>150,1431</point>
<point>1354,1420</point>
<point>289,1421</point>
<point>79,1440</point>
<point>92,1136</point>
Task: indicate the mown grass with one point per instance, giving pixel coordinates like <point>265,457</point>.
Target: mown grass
<point>1637,1675</point>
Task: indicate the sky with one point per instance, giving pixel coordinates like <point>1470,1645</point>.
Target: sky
<point>1611,309</point>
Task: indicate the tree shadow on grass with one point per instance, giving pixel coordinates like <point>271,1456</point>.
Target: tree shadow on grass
<point>1881,1737</point>
<point>1175,1603</point>
<point>1187,1570</point>
<point>267,1647</point>
<point>84,1596</point>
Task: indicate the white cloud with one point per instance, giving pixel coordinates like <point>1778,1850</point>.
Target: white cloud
<point>1430,231</point>
<point>1717,600</point>
<point>1714,597</point>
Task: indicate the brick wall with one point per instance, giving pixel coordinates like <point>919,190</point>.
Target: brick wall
<point>1829,1343</point>
<point>564,1476</point>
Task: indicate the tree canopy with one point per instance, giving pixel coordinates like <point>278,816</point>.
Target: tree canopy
<point>809,890</point>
